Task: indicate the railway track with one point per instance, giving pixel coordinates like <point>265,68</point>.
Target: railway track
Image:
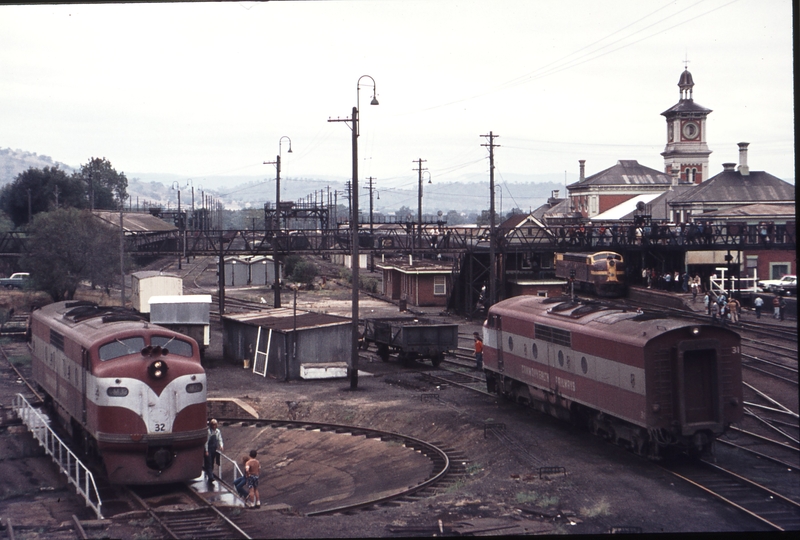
<point>773,510</point>
<point>771,457</point>
<point>182,513</point>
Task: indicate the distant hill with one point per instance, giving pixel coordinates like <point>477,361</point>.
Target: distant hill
<point>13,162</point>
<point>237,192</point>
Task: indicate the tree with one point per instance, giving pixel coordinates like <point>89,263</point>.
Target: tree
<point>403,212</point>
<point>454,218</point>
<point>68,246</point>
<point>106,189</point>
<point>40,190</point>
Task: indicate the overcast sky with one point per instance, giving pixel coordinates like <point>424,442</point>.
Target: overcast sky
<point>201,89</point>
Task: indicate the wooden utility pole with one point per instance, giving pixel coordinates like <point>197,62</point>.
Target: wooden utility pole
<point>370,187</point>
<point>419,170</point>
<point>492,240</point>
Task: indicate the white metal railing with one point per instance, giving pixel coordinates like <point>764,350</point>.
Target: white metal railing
<point>745,284</point>
<point>67,461</point>
<point>227,463</point>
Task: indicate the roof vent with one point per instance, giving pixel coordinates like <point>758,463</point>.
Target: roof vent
<point>729,166</point>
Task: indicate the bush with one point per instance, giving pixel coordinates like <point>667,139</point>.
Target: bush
<point>304,272</point>
<point>369,284</point>
<point>289,263</point>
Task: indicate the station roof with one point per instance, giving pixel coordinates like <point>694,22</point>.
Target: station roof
<point>625,208</point>
<point>143,274</point>
<point>418,267</point>
<point>732,186</point>
<point>134,222</point>
<point>627,172</point>
<point>756,211</point>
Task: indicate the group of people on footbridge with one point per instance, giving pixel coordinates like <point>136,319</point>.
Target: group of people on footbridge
<point>648,233</point>
<point>645,233</point>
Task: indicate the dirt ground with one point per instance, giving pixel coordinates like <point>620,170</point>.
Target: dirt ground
<point>604,486</point>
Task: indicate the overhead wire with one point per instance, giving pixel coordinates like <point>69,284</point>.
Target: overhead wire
<point>544,71</point>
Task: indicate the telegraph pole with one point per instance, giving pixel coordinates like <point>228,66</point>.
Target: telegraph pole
<point>492,240</point>
<point>419,170</point>
<point>370,187</point>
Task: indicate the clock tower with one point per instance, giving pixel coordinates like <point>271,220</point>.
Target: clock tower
<point>686,150</point>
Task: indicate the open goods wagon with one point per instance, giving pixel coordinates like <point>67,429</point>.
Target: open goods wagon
<point>411,338</point>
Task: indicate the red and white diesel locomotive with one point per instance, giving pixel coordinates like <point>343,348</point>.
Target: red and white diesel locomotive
<point>129,391</point>
<point>654,384</point>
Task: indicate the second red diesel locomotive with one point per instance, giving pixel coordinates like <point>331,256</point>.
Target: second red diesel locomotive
<point>651,383</point>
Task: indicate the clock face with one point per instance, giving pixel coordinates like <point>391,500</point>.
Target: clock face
<point>691,130</point>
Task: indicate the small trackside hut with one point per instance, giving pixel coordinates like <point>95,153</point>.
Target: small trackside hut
<point>187,314</point>
<point>149,283</point>
<point>287,344</point>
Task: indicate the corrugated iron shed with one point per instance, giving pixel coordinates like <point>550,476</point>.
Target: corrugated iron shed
<point>284,319</point>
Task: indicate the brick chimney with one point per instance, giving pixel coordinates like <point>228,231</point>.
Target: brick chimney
<point>675,174</point>
<point>583,170</point>
<point>743,168</point>
<point>728,167</point>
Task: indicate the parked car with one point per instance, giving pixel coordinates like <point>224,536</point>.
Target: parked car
<point>16,281</point>
<point>787,285</point>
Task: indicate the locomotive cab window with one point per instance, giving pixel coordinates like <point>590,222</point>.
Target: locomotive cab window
<point>121,347</point>
<point>173,345</point>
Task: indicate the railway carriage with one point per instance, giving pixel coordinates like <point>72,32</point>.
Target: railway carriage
<point>648,382</point>
<point>127,390</point>
<point>601,273</point>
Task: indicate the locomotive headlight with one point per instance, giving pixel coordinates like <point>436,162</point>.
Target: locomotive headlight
<point>117,391</point>
<point>157,369</point>
<point>695,330</point>
<point>193,388</point>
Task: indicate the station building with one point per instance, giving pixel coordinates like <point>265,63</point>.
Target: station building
<point>757,204</point>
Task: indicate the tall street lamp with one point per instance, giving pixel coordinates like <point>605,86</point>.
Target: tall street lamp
<point>354,263</point>
<point>277,163</point>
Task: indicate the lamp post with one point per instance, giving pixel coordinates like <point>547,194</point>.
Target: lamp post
<point>353,120</point>
<point>277,163</point>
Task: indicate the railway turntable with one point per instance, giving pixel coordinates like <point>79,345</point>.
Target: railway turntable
<point>316,468</point>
